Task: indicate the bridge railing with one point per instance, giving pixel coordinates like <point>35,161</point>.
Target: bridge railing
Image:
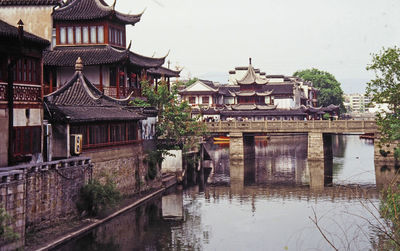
<point>300,125</point>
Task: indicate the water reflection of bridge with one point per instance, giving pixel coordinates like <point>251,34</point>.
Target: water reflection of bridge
<point>293,192</point>
<point>282,161</point>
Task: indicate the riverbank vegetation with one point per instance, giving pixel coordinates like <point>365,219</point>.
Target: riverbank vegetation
<point>95,197</point>
<point>175,128</point>
<point>6,232</point>
<point>385,88</point>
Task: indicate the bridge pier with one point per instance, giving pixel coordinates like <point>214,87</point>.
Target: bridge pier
<point>236,158</point>
<point>315,146</point>
<point>236,148</point>
<point>317,171</point>
<point>319,146</point>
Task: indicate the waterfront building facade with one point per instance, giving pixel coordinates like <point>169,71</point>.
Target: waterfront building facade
<point>110,130</point>
<point>96,32</point>
<point>21,108</point>
<point>253,95</point>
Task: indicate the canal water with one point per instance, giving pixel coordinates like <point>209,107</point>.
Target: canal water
<point>270,206</point>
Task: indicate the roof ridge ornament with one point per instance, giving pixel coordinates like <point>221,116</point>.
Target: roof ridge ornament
<point>249,61</point>
<point>141,13</point>
<point>79,64</point>
<point>169,50</point>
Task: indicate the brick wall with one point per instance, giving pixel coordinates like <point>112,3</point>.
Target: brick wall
<point>37,196</point>
<point>126,166</point>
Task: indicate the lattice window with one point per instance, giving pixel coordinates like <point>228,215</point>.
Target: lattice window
<point>106,134</point>
<point>27,140</point>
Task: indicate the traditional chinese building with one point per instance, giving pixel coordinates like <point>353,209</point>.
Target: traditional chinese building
<point>94,31</point>
<point>21,109</point>
<point>111,131</point>
<point>201,93</point>
<point>253,95</point>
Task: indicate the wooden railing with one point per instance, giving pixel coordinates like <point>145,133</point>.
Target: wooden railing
<point>122,92</point>
<point>294,126</point>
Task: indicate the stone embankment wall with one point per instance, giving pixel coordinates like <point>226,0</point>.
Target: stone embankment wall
<point>126,166</point>
<point>37,196</point>
<point>386,167</point>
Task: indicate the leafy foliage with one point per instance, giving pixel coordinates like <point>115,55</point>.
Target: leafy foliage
<point>390,211</point>
<point>385,88</point>
<point>95,197</point>
<point>6,233</point>
<point>175,123</point>
<point>190,82</point>
<point>153,159</point>
<point>330,89</point>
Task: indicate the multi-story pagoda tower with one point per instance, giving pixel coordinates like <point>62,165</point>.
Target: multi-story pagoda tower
<point>92,30</point>
<point>96,32</point>
<point>251,94</point>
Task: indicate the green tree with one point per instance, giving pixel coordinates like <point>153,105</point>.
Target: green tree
<point>175,122</point>
<point>385,88</point>
<point>330,91</point>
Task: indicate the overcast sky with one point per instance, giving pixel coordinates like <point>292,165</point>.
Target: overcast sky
<point>210,37</point>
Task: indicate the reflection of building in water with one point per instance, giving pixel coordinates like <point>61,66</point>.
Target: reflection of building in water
<point>172,206</point>
<point>220,156</point>
<point>249,193</point>
<point>281,160</point>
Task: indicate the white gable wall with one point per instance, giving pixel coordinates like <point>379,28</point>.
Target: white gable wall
<point>199,86</point>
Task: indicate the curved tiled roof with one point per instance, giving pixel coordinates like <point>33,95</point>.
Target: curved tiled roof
<point>8,32</point>
<point>279,89</point>
<point>144,61</point>
<point>162,71</point>
<point>28,2</point>
<point>96,55</point>
<point>90,10</point>
<point>80,101</point>
<point>252,78</point>
<point>91,55</point>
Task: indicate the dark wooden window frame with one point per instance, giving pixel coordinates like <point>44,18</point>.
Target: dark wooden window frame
<point>122,135</point>
<point>25,142</point>
<point>205,98</point>
<point>27,71</point>
<point>192,100</point>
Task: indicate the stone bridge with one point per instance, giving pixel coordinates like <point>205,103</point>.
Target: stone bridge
<point>316,129</point>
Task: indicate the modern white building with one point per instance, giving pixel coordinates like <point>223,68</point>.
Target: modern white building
<point>356,103</point>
